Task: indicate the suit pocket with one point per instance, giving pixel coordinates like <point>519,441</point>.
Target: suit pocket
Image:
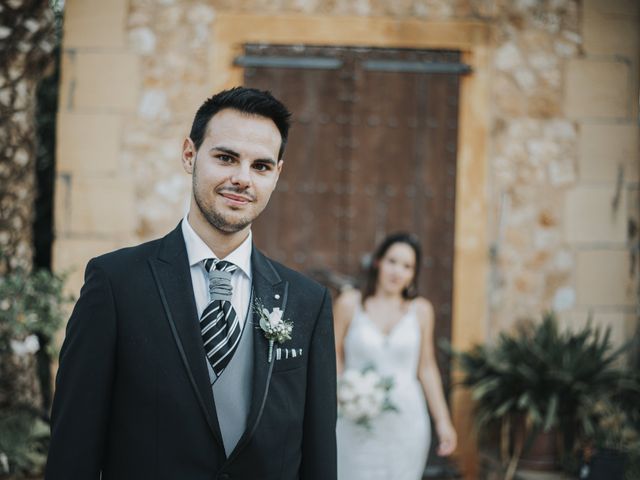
<point>286,364</point>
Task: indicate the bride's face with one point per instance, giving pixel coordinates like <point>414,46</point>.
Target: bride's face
<point>396,268</point>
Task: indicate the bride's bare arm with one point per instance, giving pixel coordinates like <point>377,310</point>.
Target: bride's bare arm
<point>429,376</point>
<point>343,312</point>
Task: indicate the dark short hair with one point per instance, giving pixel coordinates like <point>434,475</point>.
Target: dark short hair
<point>371,277</point>
<point>246,100</point>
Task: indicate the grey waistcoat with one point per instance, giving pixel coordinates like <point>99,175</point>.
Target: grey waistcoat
<point>232,390</point>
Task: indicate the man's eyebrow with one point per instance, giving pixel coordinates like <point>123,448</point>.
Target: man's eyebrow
<point>226,150</point>
<point>268,160</point>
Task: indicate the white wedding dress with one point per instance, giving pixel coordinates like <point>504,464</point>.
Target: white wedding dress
<point>397,445</point>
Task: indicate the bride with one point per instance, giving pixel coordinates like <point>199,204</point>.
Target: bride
<point>388,327</point>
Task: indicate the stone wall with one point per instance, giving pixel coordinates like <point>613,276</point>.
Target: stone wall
<point>565,163</point>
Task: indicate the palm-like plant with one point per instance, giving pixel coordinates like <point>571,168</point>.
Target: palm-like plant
<point>541,374</point>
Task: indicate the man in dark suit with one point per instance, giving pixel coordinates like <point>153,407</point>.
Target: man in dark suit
<point>168,369</point>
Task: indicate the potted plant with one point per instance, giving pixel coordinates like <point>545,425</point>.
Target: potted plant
<point>531,384</point>
<point>31,312</point>
<point>610,431</point>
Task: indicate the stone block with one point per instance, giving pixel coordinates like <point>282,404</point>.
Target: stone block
<point>631,326</point>
<point>625,8</point>
<point>95,23</point>
<point>597,89</point>
<point>67,73</point>
<point>108,81</point>
<point>607,147</point>
<point>88,143</point>
<point>603,278</point>
<point>607,32</point>
<point>62,204</point>
<point>71,255</point>
<point>591,217</point>
<point>102,207</point>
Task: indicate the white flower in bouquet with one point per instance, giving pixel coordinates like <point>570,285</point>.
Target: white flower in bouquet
<point>364,395</point>
<point>347,394</point>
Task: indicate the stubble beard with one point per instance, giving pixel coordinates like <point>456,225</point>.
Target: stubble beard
<point>216,219</point>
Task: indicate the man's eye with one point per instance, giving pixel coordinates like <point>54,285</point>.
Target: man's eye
<point>261,167</point>
<point>224,158</point>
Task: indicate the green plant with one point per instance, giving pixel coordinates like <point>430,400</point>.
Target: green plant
<point>612,423</point>
<point>540,372</point>
<point>31,313</point>
<point>23,442</point>
<point>31,304</point>
<point>542,375</point>
<point>606,424</point>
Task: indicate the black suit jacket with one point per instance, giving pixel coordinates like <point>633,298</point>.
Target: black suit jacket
<point>133,399</point>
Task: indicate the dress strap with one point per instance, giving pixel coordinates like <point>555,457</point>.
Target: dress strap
<point>413,309</point>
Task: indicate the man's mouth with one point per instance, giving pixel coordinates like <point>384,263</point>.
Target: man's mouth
<point>235,199</point>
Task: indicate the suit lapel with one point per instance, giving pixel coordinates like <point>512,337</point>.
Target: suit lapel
<point>172,274</point>
<point>271,291</point>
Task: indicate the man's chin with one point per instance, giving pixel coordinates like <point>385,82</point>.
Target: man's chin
<point>229,225</point>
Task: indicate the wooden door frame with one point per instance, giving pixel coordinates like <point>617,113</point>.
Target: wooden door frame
<point>470,277</point>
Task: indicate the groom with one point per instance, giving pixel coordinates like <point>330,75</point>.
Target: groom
<point>167,371</point>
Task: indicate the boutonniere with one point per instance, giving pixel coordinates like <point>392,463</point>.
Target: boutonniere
<point>275,328</point>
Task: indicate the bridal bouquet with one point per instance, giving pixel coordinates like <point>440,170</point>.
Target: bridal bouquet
<point>363,395</point>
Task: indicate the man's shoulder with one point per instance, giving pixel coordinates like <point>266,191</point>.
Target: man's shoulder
<point>128,258</point>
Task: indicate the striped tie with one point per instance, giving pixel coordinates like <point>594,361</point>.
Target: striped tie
<point>219,323</point>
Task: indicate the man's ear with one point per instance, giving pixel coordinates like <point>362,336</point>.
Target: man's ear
<point>189,153</point>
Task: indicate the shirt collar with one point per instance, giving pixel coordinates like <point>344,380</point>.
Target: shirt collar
<point>197,250</point>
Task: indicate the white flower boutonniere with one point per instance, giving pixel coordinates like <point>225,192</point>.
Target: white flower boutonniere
<point>275,328</point>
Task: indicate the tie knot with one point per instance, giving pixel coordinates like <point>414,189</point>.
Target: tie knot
<point>220,265</point>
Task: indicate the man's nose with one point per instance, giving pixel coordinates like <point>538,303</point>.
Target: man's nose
<point>241,176</point>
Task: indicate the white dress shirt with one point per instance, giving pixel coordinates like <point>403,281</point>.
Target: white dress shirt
<point>198,251</point>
